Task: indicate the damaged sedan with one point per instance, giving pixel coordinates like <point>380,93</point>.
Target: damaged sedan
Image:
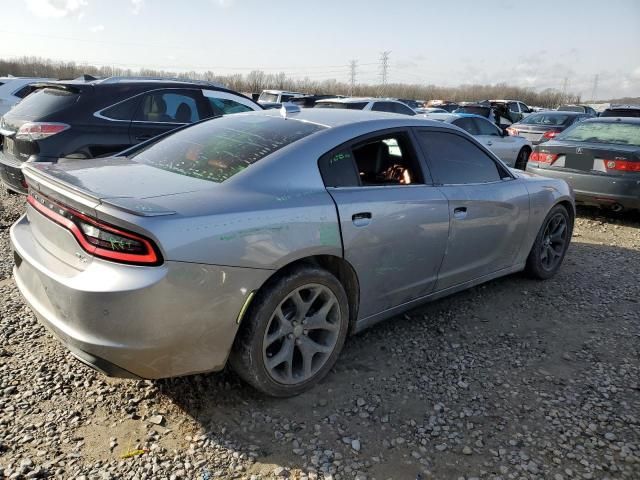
<point>263,239</point>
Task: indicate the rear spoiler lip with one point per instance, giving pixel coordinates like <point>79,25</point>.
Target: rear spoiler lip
<point>36,177</point>
<point>73,88</point>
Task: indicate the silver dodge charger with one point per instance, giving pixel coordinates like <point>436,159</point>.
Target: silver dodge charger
<point>263,239</point>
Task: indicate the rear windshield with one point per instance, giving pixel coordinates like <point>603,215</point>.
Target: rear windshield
<point>484,111</point>
<point>545,119</point>
<point>268,97</point>
<point>621,112</point>
<point>571,108</point>
<point>342,105</point>
<point>595,132</point>
<point>44,102</point>
<point>217,149</point>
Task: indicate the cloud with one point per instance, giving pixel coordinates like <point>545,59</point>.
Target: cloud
<point>136,6</point>
<point>54,8</point>
<point>96,28</point>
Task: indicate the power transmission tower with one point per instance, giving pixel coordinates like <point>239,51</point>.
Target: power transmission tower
<point>595,88</point>
<point>353,64</point>
<point>384,70</point>
<point>565,83</point>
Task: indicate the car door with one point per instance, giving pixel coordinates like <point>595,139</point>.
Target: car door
<point>488,207</point>
<point>394,222</point>
<point>160,111</point>
<point>505,147</point>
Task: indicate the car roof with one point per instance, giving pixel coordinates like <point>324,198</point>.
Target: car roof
<point>331,118</point>
<point>450,117</point>
<point>560,112</point>
<point>357,100</point>
<point>283,91</point>
<point>150,81</point>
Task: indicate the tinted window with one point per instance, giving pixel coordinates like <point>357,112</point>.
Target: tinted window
<point>403,109</point>
<point>571,108</point>
<point>168,107</point>
<point>513,107</point>
<point>475,110</point>
<point>342,105</point>
<point>338,169</point>
<point>44,102</point>
<point>383,107</point>
<point>218,149</point>
<point>386,160</point>
<point>621,112</point>
<point>603,132</point>
<point>456,160</point>
<point>224,106</point>
<point>123,110</point>
<point>467,124</point>
<point>523,107</point>
<point>24,91</point>
<point>485,127</point>
<point>551,119</point>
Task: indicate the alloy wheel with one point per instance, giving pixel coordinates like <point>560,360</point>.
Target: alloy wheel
<point>554,239</point>
<point>301,334</point>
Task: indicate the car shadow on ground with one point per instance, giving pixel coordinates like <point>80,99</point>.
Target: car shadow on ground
<point>453,351</point>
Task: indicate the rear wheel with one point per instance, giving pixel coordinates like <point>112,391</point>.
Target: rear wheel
<point>293,332</point>
<point>551,244</point>
<point>522,158</point>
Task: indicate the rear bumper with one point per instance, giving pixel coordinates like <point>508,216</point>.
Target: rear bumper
<point>11,174</point>
<point>599,190</point>
<point>131,321</point>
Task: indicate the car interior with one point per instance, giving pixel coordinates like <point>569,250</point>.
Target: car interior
<point>384,161</point>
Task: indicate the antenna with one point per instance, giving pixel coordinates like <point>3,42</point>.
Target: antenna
<point>384,70</point>
<point>353,64</point>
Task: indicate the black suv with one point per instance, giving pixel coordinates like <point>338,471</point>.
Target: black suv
<point>89,118</point>
<point>622,111</point>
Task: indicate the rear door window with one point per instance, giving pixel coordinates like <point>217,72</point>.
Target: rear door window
<point>124,110</point>
<point>44,102</point>
<point>454,160</point>
<point>402,109</point>
<point>219,149</point>
<point>383,107</point>
<point>467,124</point>
<point>485,127</point>
<point>170,106</point>
<point>224,103</point>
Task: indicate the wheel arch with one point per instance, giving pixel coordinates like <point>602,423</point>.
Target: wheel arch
<point>338,267</point>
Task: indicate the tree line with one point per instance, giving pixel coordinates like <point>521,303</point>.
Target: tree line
<point>258,80</point>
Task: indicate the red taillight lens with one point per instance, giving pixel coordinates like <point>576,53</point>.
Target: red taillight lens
<point>622,165</point>
<point>551,134</point>
<point>39,130</point>
<point>97,238</point>
<point>541,157</point>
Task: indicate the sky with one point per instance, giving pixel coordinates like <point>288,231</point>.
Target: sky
<point>531,44</point>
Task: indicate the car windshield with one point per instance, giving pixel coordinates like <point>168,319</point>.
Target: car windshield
<point>43,102</point>
<point>268,97</point>
<point>342,105</point>
<point>545,119</point>
<point>220,148</point>
<point>601,132</point>
<point>484,111</point>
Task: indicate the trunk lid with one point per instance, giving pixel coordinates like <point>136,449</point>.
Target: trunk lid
<point>591,157</point>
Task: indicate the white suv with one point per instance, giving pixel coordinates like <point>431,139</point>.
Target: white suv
<point>388,105</point>
<point>277,96</point>
<point>14,89</point>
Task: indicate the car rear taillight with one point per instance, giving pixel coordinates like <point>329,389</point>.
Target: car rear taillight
<point>541,157</point>
<point>512,131</point>
<point>39,130</point>
<point>551,134</point>
<point>98,238</point>
<point>622,165</point>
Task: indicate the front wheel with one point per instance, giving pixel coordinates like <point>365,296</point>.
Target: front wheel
<point>293,332</point>
<point>522,158</point>
<point>551,244</point>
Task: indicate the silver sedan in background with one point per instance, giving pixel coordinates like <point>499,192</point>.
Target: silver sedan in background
<point>512,150</point>
<point>265,238</point>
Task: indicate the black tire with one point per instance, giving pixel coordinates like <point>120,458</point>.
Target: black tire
<point>249,356</point>
<point>522,158</point>
<point>538,264</point>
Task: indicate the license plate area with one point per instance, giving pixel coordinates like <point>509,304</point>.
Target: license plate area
<point>579,162</point>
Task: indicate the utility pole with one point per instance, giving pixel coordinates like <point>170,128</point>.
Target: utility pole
<point>353,64</point>
<point>384,70</point>
<point>595,88</point>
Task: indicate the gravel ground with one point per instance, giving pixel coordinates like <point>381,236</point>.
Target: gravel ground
<point>516,379</point>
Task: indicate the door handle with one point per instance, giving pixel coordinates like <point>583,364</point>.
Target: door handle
<point>489,142</point>
<point>142,138</point>
<point>361,219</point>
<point>460,212</point>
